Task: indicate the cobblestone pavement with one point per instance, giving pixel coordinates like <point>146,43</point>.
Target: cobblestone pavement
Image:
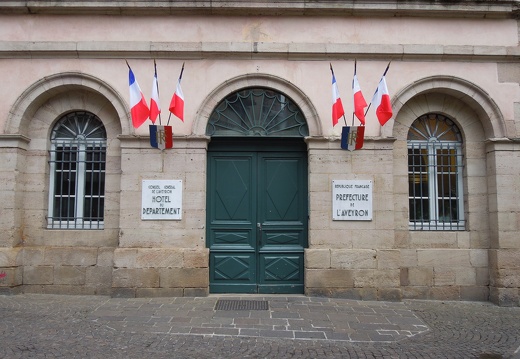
<point>54,326</point>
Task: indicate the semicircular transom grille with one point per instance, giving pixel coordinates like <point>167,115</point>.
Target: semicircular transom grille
<point>79,126</point>
<point>257,112</point>
<point>434,127</point>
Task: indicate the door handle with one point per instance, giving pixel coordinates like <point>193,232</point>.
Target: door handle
<point>259,236</point>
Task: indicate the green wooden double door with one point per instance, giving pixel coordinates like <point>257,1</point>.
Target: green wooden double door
<point>257,217</point>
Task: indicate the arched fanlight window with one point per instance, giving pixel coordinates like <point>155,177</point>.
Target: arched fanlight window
<point>77,172</point>
<point>257,112</point>
<point>435,164</point>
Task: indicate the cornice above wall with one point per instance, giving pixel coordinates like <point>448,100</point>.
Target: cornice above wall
<point>255,50</point>
<point>430,8</point>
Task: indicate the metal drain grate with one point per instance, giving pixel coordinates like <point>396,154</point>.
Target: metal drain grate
<point>228,304</point>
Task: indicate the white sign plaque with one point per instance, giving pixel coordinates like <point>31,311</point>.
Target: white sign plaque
<point>351,200</point>
<point>161,200</point>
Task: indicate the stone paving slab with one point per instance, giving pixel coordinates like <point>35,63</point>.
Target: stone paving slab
<point>54,326</point>
<point>295,317</point>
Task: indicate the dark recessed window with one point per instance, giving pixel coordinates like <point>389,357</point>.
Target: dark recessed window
<point>77,172</point>
<point>435,164</point>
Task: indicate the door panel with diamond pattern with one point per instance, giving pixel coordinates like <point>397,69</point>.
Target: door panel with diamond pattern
<point>257,220</point>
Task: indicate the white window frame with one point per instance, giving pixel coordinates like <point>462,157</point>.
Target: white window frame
<point>81,144</point>
<point>435,221</point>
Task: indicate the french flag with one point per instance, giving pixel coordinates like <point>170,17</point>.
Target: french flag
<point>177,102</point>
<point>337,106</point>
<point>359,100</point>
<point>381,100</point>
<point>155,108</point>
<point>138,107</point>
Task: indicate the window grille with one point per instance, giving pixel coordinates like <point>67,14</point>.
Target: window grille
<point>77,172</point>
<point>435,166</point>
<point>257,112</point>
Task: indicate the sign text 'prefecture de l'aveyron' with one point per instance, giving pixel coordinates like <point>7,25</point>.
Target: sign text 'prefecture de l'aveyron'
<point>351,200</point>
<point>161,200</point>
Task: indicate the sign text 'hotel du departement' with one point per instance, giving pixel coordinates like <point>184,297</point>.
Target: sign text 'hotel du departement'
<point>161,200</point>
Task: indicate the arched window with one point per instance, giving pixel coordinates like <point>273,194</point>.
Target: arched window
<point>257,112</point>
<point>435,166</point>
<point>77,172</point>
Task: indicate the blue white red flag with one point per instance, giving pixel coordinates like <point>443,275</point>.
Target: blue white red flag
<point>138,107</point>
<point>352,137</point>
<point>177,102</point>
<point>381,101</point>
<point>359,101</point>
<point>155,108</point>
<point>337,106</point>
<point>161,137</point>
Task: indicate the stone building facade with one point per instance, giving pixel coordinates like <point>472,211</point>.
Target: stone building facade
<point>453,81</point>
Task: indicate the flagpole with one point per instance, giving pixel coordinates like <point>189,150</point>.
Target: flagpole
<point>344,118</point>
<point>180,78</point>
<point>157,82</point>
<point>355,68</point>
<point>387,67</point>
<point>182,70</point>
<point>384,74</point>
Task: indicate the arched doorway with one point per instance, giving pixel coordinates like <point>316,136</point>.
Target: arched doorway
<point>257,193</point>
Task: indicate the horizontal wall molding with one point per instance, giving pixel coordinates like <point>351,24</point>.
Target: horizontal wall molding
<point>461,8</point>
<point>179,142</point>
<point>14,141</point>
<point>333,143</point>
<point>503,144</point>
<point>254,50</point>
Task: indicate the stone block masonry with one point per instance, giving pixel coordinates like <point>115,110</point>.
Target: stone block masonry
<point>458,274</point>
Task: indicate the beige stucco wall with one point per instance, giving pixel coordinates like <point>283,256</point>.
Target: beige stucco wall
<point>461,67</point>
<point>227,47</point>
